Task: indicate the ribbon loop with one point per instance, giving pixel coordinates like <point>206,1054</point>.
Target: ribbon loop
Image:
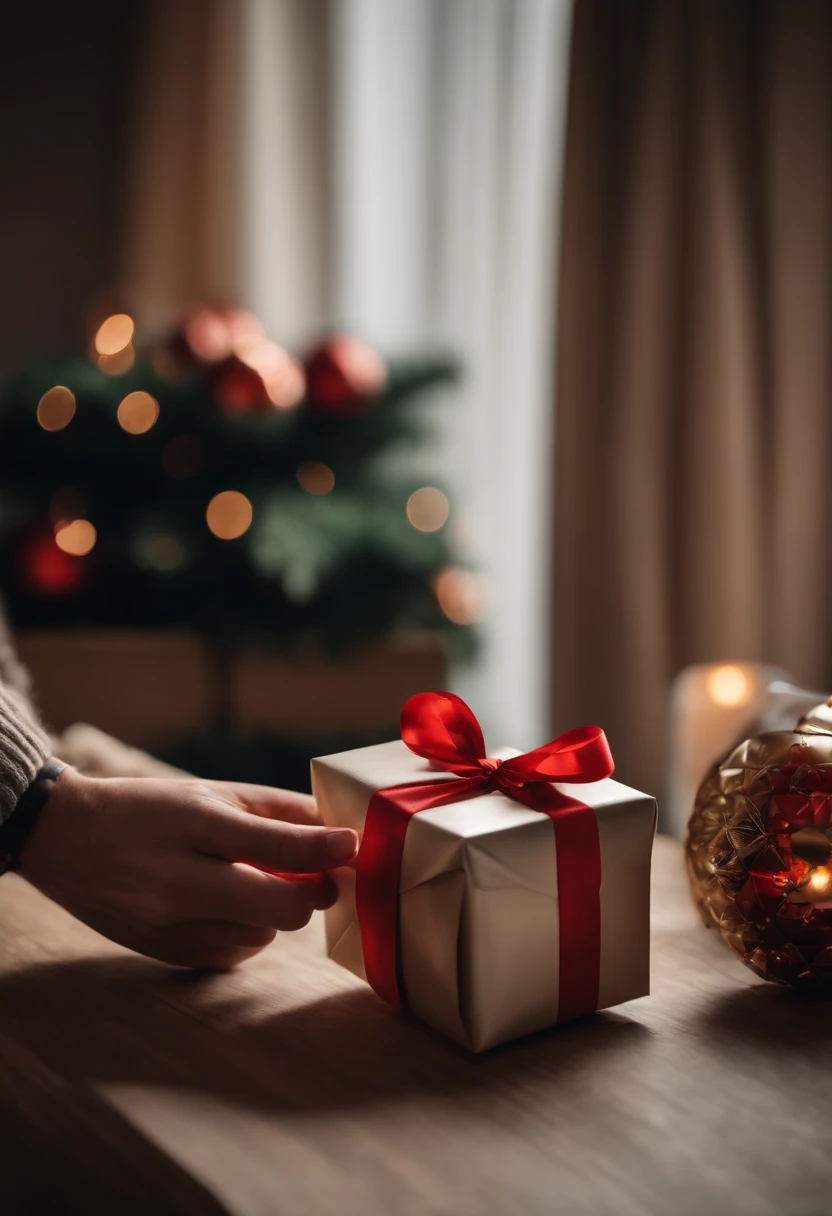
<point>441,728</point>
<point>579,755</point>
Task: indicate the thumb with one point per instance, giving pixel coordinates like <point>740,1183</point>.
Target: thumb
<point>283,847</point>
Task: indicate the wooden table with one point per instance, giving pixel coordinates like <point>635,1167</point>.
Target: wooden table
<point>287,1087</point>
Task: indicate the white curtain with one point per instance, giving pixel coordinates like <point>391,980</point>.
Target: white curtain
<point>229,194</point>
<point>448,133</point>
<point>392,166</point>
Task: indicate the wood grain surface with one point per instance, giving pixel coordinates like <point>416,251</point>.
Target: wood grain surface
<point>287,1087</point>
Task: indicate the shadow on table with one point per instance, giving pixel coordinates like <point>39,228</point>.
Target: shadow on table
<point>771,1017</point>
<point>125,1020</point>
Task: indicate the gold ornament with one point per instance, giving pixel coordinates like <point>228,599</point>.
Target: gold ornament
<point>759,852</point>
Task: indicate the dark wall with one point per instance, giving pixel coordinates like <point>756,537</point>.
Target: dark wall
<point>66,78</point>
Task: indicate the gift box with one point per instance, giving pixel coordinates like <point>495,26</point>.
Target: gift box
<point>496,895</point>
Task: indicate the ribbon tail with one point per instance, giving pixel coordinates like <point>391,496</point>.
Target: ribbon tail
<point>378,872</point>
<point>578,854</point>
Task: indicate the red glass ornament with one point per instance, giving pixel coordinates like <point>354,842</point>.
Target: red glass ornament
<point>239,388</point>
<point>46,569</point>
<point>262,377</point>
<point>344,375</point>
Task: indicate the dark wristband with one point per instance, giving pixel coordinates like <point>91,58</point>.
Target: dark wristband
<point>15,831</point>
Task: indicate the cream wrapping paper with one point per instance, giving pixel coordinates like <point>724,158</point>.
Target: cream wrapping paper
<point>478,897</point>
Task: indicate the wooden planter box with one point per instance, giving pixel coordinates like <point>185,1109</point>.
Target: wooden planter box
<point>148,687</point>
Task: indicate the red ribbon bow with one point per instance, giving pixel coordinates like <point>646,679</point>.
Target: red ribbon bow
<point>440,727</point>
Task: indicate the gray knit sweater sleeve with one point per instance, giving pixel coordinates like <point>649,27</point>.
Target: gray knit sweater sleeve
<point>24,744</point>
<point>24,748</point>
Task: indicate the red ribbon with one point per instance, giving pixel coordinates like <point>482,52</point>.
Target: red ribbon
<point>440,727</point>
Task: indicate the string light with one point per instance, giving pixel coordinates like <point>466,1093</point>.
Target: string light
<point>77,537</point>
<point>137,413</point>
<point>229,514</point>
<point>114,334</point>
<point>183,456</point>
<point>56,408</point>
<point>428,509</point>
<point>728,685</point>
<point>213,335</point>
<point>316,478</point>
<point>207,335</point>
<point>120,362</point>
<point>461,595</point>
<point>282,375</point>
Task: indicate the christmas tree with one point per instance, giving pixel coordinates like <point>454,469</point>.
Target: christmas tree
<point>213,481</point>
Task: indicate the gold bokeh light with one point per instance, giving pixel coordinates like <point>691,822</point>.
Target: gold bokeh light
<point>428,509</point>
<point>56,408</point>
<point>282,375</point>
<point>229,514</point>
<point>137,413</point>
<point>114,334</point>
<point>461,595</point>
<point>77,537</point>
<point>120,362</point>
<point>315,477</point>
<point>728,685</point>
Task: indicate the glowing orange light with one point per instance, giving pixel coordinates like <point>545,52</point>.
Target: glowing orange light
<point>282,375</point>
<point>728,685</point>
<point>363,368</point>
<point>229,514</point>
<point>244,330</point>
<point>183,456</point>
<point>821,879</point>
<point>207,335</point>
<point>56,408</point>
<point>461,595</point>
<point>114,334</point>
<point>77,537</point>
<point>316,478</point>
<point>137,413</point>
<point>121,361</point>
<point>213,334</point>
<point>428,509</point>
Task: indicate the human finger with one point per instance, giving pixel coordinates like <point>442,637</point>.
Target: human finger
<point>271,803</point>
<point>275,845</point>
<point>240,893</point>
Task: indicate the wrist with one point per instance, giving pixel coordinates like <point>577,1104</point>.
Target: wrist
<point>66,794</point>
<point>15,832</point>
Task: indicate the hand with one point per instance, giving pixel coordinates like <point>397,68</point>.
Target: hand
<point>167,867</point>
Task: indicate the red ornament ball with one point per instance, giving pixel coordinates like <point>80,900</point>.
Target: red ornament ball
<point>759,852</point>
<point>344,375</point>
<point>238,388</point>
<point>263,377</point>
<point>46,569</point>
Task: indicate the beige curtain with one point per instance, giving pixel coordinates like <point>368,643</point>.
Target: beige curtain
<point>694,425</point>
<point>228,192</point>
